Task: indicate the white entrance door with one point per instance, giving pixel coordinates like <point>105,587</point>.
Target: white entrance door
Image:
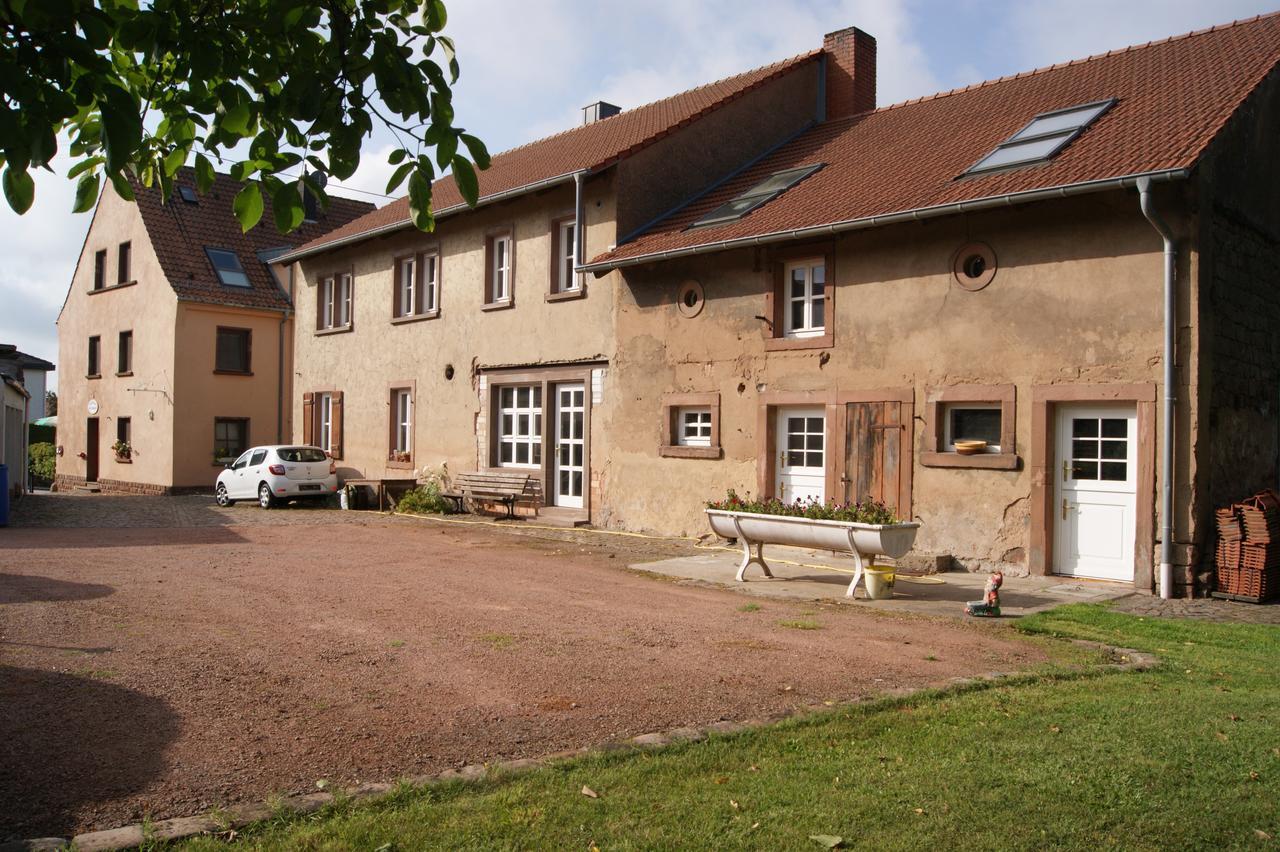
<point>1096,494</point>
<point>570,444</point>
<point>802,454</point>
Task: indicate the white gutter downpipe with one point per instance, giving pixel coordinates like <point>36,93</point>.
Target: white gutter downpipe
<point>579,225</point>
<point>1170,393</point>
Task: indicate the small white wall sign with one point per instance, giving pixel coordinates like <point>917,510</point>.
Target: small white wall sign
<point>93,407</point>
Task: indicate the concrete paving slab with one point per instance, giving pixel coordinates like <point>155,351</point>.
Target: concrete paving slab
<point>800,574</point>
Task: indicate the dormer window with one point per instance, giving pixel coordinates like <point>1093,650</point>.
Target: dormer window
<point>227,266</point>
<point>1046,135</point>
<point>764,191</point>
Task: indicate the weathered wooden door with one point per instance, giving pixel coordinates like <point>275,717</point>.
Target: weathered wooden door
<point>875,465</point>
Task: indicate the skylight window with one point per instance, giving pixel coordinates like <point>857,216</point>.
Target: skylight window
<point>188,194</point>
<point>1046,135</point>
<point>227,265</point>
<point>766,190</point>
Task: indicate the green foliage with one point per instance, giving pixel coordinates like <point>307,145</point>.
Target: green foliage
<point>424,500</point>
<point>870,512</point>
<point>43,461</point>
<point>287,85</point>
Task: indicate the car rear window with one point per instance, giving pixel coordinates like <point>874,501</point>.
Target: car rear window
<point>301,454</point>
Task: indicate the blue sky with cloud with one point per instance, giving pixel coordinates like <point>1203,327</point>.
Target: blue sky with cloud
<point>528,66</point>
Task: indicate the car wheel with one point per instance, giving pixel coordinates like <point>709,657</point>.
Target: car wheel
<point>265,499</point>
<point>224,499</point>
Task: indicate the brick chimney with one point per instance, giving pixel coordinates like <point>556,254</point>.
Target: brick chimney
<point>850,56</point>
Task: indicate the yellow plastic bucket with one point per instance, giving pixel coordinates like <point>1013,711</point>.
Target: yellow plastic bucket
<point>879,583</point>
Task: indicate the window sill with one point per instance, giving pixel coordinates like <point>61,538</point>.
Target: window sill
<point>987,461</point>
<point>93,375</point>
<point>121,460</point>
<point>498,306</point>
<point>399,465</point>
<point>233,372</point>
<point>337,329</point>
<point>567,295</point>
<point>777,344</point>
<point>126,374</point>
<point>109,287</point>
<point>429,315</point>
<point>678,452</point>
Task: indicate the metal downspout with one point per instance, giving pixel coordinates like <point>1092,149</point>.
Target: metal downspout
<point>1170,392</point>
<point>280,361</point>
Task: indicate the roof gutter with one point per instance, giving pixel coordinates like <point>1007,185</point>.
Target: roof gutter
<point>917,215</point>
<point>383,230</point>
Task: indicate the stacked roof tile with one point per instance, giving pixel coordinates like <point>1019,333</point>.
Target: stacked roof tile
<point>1173,97</point>
<point>180,232</point>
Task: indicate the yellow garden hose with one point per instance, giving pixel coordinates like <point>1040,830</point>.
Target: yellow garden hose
<point>930,581</point>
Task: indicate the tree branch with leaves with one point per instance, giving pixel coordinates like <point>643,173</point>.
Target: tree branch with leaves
<point>285,91</point>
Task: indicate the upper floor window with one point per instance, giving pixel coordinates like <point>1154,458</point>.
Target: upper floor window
<point>804,312</point>
<point>123,264</point>
<point>232,351</point>
<point>226,264</point>
<point>100,269</point>
<point>566,253</point>
<point>124,353</point>
<point>95,351</point>
<point>500,268</point>
<point>407,292</point>
<point>334,302</point>
<point>417,286</point>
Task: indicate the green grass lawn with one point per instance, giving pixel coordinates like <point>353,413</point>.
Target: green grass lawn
<point>1186,756</point>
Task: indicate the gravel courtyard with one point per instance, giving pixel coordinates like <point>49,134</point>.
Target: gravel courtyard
<point>162,657</point>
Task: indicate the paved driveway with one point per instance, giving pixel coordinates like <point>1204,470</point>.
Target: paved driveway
<point>162,656</point>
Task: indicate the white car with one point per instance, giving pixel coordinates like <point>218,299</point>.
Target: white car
<point>276,474</point>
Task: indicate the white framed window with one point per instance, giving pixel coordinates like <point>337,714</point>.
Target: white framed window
<point>972,421</point>
<point>325,300</point>
<point>693,426</point>
<point>407,291</point>
<point>402,408</point>
<point>520,426</point>
<point>567,242</point>
<point>500,269</point>
<point>804,307</point>
<point>324,422</point>
<point>344,299</point>
<point>430,298</point>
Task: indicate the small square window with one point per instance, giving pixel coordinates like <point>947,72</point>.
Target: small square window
<point>694,427</point>
<point>691,425</point>
<point>973,421</point>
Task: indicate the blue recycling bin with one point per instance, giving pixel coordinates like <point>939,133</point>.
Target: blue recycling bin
<point>4,495</point>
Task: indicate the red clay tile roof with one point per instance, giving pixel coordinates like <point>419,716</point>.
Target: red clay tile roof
<point>1174,96</point>
<point>589,147</point>
<point>180,232</point>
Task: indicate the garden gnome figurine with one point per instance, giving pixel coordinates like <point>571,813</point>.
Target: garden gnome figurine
<point>989,606</point>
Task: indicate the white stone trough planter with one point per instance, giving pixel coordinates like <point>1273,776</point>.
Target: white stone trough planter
<point>862,541</point>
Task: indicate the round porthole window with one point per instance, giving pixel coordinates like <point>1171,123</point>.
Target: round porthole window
<point>690,299</point>
<point>974,266</point>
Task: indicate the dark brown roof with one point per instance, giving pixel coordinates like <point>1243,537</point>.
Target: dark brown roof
<point>1173,98</point>
<point>180,232</point>
<point>589,147</point>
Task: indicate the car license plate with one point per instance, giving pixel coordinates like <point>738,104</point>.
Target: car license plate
<point>309,487</point>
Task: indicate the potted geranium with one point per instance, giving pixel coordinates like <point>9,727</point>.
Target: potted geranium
<point>123,451</point>
<point>864,530</point>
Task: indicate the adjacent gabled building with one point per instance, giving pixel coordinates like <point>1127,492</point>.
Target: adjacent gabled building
<point>175,339</point>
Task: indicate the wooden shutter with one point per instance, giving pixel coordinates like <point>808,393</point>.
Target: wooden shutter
<point>335,426</point>
<point>308,418</point>
<point>873,462</point>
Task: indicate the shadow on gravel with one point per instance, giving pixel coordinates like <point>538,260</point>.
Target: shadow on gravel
<point>69,741</point>
<point>23,588</point>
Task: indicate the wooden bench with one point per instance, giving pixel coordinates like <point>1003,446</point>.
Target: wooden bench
<point>491,486</point>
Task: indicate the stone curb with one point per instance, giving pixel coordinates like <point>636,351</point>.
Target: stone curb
<point>239,816</point>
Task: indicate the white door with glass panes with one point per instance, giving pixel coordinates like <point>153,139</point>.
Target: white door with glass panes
<point>804,314</point>
<point>802,454</point>
<point>570,444</point>
<point>1096,495</point>
<point>520,426</point>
